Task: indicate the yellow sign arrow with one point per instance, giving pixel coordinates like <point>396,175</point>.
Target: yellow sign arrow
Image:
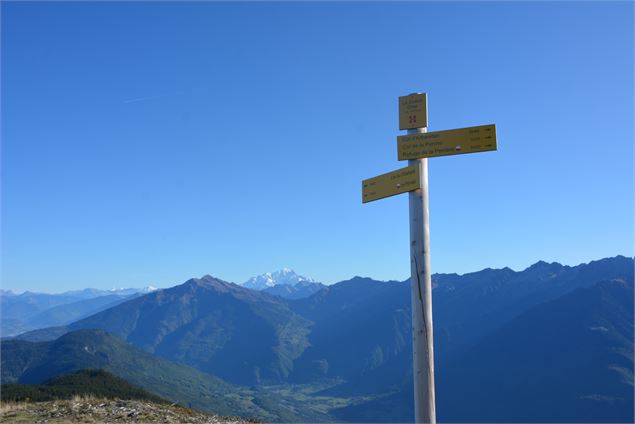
<point>396,182</point>
<point>449,142</point>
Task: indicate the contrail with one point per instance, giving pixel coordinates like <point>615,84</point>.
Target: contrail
<point>158,96</point>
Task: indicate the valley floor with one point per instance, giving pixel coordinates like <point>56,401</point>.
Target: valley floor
<point>309,404</point>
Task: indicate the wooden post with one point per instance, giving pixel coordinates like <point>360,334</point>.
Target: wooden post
<point>421,296</point>
<point>413,116</point>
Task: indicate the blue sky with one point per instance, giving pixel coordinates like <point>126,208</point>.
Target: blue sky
<point>146,143</point>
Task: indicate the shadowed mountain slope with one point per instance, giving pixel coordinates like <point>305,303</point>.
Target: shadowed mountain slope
<point>563,361</point>
<point>567,360</point>
<point>241,335</point>
<point>469,306</point>
<point>34,363</point>
<point>359,325</point>
<point>298,291</point>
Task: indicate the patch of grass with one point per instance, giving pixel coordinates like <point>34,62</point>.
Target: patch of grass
<point>79,386</point>
<point>7,407</point>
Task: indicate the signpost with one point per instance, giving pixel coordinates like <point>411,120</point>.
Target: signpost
<point>413,111</point>
<point>396,182</point>
<point>449,142</point>
<point>417,147</point>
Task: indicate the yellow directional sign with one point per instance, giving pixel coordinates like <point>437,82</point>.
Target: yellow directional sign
<point>449,142</point>
<point>396,182</point>
<point>413,111</point>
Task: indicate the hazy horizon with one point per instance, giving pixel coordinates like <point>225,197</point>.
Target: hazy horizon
<point>120,287</point>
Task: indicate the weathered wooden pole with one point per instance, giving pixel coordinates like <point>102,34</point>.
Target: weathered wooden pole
<point>421,291</point>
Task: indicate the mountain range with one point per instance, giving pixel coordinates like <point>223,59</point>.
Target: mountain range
<point>565,360</point>
<point>241,335</point>
<point>28,310</point>
<point>501,336</point>
<point>31,311</point>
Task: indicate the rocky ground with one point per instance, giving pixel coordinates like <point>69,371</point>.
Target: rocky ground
<point>91,410</point>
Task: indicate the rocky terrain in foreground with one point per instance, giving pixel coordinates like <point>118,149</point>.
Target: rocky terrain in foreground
<point>92,410</point>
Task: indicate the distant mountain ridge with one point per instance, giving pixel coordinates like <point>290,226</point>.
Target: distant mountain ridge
<point>30,310</point>
<point>87,293</point>
<point>468,306</point>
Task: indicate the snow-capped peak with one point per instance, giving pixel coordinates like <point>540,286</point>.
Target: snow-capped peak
<point>284,276</point>
<point>148,289</point>
<point>129,291</point>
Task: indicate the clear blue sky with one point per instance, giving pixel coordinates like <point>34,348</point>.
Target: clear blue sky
<point>147,143</point>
